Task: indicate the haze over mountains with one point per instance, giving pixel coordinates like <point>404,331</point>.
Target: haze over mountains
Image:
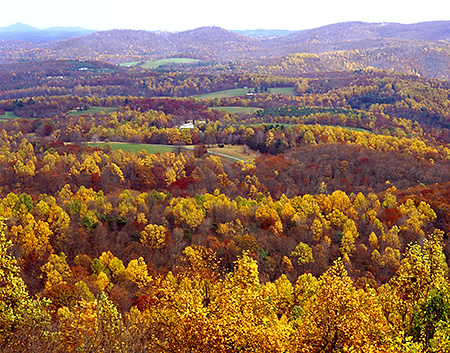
<point>422,48</point>
<point>20,31</point>
<point>429,31</point>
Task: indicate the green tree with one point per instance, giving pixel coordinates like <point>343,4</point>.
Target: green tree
<point>431,316</point>
<point>415,300</point>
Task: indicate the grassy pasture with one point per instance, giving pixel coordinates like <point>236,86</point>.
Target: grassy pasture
<point>92,110</point>
<point>283,90</point>
<point>225,93</point>
<point>9,115</point>
<point>237,110</point>
<point>157,63</point>
<point>232,152</point>
<point>153,64</point>
<point>236,151</point>
<point>243,91</point>
<point>134,63</point>
<point>134,147</point>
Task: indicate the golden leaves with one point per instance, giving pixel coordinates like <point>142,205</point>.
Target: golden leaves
<point>137,272</point>
<point>154,236</point>
<point>303,254</point>
<point>186,210</point>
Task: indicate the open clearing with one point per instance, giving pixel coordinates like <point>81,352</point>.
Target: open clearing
<point>283,90</point>
<point>153,64</point>
<point>225,93</point>
<point>236,151</point>
<point>9,115</point>
<point>134,147</point>
<point>243,91</point>
<point>134,63</point>
<point>157,63</point>
<point>92,110</point>
<point>238,110</point>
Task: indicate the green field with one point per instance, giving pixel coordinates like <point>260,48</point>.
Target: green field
<point>225,93</point>
<point>232,153</point>
<point>134,63</point>
<point>92,110</point>
<point>157,63</point>
<point>283,90</point>
<point>9,115</point>
<point>153,64</point>
<point>135,147</point>
<point>243,91</point>
<point>237,110</point>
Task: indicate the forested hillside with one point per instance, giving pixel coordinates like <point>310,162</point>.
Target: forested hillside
<point>420,49</point>
<point>298,202</point>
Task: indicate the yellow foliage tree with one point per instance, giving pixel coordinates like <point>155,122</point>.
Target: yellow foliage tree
<point>154,236</point>
<point>20,315</point>
<point>57,270</point>
<point>340,317</point>
<point>33,237</point>
<point>137,272</point>
<point>269,219</point>
<point>303,254</point>
<point>93,326</point>
<point>186,211</point>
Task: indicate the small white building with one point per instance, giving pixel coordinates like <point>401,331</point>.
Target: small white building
<point>188,125</point>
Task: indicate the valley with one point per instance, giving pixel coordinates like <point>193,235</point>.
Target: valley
<point>220,191</point>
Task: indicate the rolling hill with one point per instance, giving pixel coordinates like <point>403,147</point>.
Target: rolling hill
<point>422,48</point>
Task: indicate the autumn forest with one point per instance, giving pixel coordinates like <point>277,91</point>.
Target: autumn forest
<point>208,191</point>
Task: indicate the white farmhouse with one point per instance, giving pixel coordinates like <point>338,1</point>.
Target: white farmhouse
<point>188,125</point>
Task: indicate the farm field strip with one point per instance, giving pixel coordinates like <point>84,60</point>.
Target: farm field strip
<point>228,93</point>
<point>237,110</point>
<point>153,64</point>
<point>133,147</point>
<point>9,115</point>
<point>234,153</point>
<point>92,110</point>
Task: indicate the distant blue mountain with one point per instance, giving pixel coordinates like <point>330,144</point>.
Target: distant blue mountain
<point>17,28</point>
<point>20,31</point>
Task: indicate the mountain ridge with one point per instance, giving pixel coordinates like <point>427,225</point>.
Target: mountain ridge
<point>18,27</point>
<point>430,30</point>
<point>24,32</point>
<point>421,48</point>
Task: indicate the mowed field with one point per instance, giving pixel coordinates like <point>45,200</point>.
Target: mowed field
<point>162,62</point>
<point>243,91</point>
<point>283,90</point>
<point>225,93</point>
<point>92,110</point>
<point>237,152</point>
<point>153,64</point>
<point>238,110</point>
<point>134,147</point>
<point>9,115</point>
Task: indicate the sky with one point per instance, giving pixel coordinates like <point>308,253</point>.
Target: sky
<point>180,15</point>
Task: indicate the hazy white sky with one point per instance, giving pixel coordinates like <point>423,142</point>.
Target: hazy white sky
<point>177,15</point>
